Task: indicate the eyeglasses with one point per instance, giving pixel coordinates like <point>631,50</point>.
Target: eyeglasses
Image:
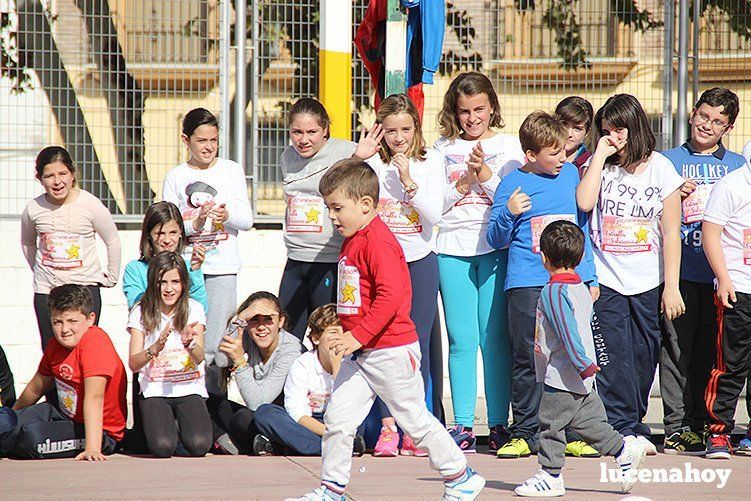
<point>717,124</point>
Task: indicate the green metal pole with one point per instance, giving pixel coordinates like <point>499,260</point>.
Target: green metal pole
<point>396,48</point>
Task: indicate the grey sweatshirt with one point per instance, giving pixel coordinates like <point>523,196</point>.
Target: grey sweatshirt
<point>262,383</point>
<point>308,232</point>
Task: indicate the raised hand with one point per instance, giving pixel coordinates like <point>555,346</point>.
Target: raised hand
<point>158,345</point>
<point>401,162</point>
<point>369,143</point>
<point>608,145</point>
<point>518,202</point>
<point>204,212</point>
<point>689,186</point>
<point>197,257</point>
<point>476,158</point>
<point>187,335</point>
<point>219,213</point>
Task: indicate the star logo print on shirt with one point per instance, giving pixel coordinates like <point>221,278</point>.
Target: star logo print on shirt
<point>414,217</point>
<point>312,215</point>
<point>348,293</point>
<point>73,251</point>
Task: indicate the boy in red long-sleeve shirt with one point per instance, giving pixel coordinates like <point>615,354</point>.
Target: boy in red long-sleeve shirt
<point>373,303</point>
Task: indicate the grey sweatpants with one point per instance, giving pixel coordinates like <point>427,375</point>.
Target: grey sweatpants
<point>221,292</point>
<point>584,414</point>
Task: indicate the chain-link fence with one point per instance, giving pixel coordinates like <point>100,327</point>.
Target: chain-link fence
<point>111,80</point>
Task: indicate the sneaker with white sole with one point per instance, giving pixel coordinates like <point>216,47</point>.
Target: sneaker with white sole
<point>465,488</point>
<point>630,461</point>
<point>541,485</point>
<point>744,446</point>
<point>262,446</point>
<point>718,446</point>
<point>320,494</point>
<point>649,447</point>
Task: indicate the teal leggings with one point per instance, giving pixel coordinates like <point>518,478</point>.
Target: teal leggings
<point>476,315</point>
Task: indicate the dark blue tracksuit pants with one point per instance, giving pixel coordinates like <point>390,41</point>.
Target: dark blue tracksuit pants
<point>630,328</point>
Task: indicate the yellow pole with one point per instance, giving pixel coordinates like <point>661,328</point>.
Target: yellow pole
<point>335,65</point>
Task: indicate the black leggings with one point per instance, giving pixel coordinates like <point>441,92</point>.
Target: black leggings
<point>305,287</point>
<point>242,429</point>
<point>163,418</point>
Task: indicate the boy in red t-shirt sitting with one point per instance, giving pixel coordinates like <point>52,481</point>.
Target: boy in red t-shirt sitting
<point>82,363</point>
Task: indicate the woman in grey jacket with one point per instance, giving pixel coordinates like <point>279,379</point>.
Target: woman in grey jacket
<point>258,353</point>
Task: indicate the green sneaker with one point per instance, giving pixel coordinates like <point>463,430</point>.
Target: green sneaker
<point>581,449</point>
<point>514,449</point>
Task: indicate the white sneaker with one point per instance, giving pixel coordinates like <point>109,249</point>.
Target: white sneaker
<point>465,489</point>
<point>648,445</point>
<point>320,494</point>
<point>630,461</point>
<point>541,485</point>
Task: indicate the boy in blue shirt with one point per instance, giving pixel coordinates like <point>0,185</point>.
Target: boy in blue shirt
<point>527,200</point>
<point>689,341</point>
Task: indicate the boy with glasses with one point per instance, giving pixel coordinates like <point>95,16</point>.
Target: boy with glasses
<point>688,348</point>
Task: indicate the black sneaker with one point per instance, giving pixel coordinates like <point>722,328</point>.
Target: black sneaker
<point>262,446</point>
<point>359,446</point>
<point>498,436</point>
<point>685,443</point>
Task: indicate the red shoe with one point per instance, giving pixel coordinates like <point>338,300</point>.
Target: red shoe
<point>388,444</point>
<point>410,449</point>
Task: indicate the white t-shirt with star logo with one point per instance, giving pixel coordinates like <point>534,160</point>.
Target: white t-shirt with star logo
<point>172,373</point>
<point>411,220</point>
<point>625,225</point>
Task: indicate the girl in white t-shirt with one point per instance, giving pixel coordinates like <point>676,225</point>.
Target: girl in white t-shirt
<point>212,196</point>
<point>634,195</point>
<point>166,351</point>
<point>411,196</point>
<point>471,272</point>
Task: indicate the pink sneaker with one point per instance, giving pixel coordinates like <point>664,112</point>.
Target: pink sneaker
<point>388,444</point>
<point>410,449</point>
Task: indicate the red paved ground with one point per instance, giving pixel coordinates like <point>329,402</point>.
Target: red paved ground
<point>233,477</point>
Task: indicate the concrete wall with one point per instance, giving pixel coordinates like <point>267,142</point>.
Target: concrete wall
<point>263,255</point>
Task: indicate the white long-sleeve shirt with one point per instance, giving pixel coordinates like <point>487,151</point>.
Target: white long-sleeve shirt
<point>465,217</point>
<point>308,387</point>
<point>411,220</point>
<point>59,242</point>
<point>224,183</point>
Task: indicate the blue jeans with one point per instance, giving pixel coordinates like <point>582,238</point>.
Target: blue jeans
<point>273,421</point>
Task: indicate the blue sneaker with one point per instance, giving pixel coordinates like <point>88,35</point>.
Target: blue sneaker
<point>466,488</point>
<point>464,438</point>
<point>744,446</point>
<point>320,494</point>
